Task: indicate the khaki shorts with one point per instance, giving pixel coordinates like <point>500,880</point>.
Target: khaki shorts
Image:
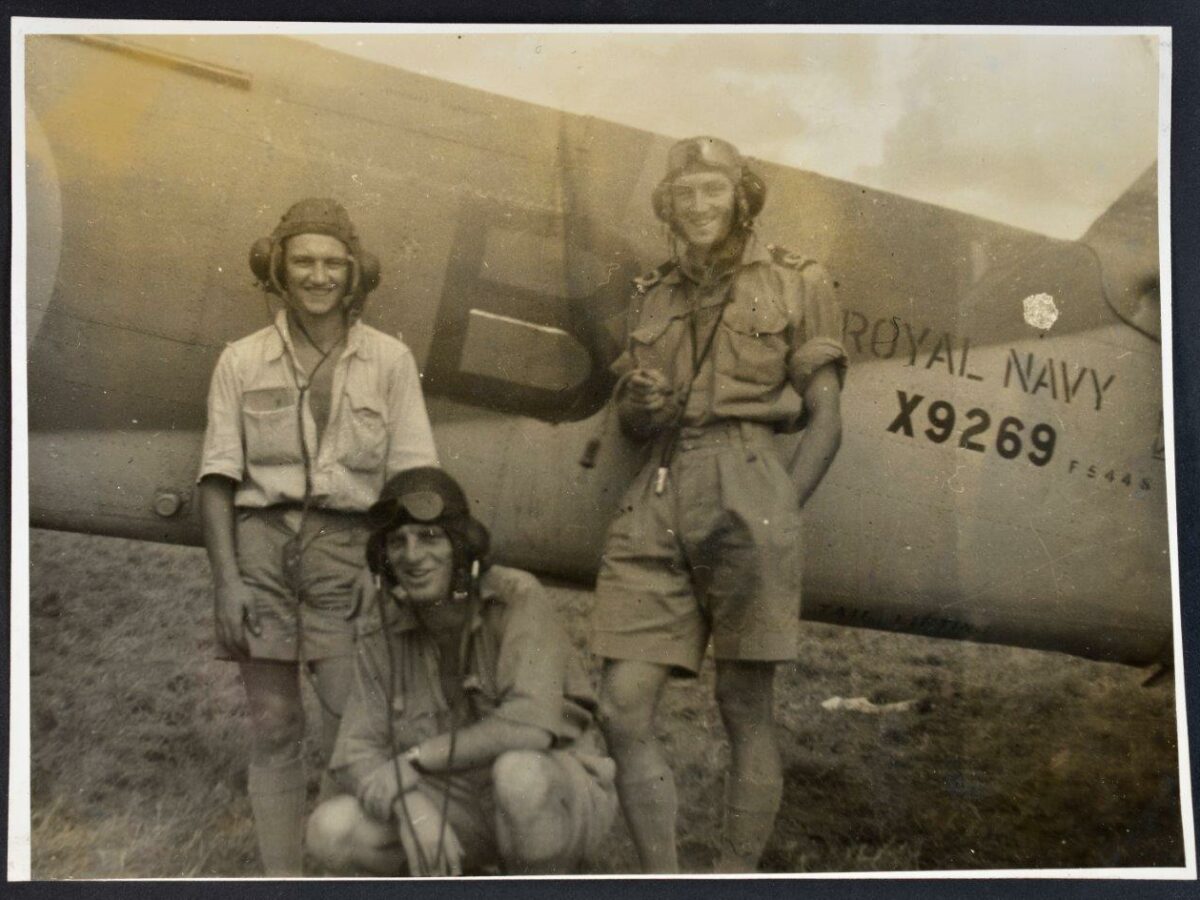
<point>588,811</point>
<point>303,612</point>
<point>718,552</point>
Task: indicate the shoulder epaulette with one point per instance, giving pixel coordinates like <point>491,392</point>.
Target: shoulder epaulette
<point>785,257</point>
<point>643,283</point>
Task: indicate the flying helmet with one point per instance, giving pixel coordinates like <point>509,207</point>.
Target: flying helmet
<point>316,215</point>
<point>427,496</point>
<point>699,153</point>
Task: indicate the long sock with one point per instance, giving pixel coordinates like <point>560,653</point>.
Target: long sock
<point>750,810</point>
<point>277,795</point>
<point>650,805</point>
<point>329,788</point>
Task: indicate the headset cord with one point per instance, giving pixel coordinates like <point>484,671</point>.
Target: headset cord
<point>389,700</point>
<point>699,356</point>
<point>389,696</point>
<point>465,644</point>
<point>306,504</point>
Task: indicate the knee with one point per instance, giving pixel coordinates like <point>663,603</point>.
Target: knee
<point>278,729</point>
<point>626,716</point>
<point>746,702</point>
<point>330,830</point>
<point>523,783</point>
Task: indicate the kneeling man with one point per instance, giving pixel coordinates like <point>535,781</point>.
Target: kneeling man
<point>469,737</point>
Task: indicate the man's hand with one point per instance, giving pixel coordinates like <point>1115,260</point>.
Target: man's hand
<point>233,609</point>
<point>382,788</point>
<point>233,602</point>
<point>421,830</point>
<point>647,390</point>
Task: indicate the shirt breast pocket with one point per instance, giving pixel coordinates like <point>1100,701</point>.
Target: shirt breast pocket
<point>364,438</point>
<point>756,347</point>
<point>649,348</point>
<point>272,427</point>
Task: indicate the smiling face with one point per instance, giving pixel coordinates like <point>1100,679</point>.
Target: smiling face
<point>422,559</point>
<point>703,205</point>
<point>317,273</point>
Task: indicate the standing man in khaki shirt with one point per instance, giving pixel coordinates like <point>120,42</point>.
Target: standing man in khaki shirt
<point>307,418</point>
<point>729,343</point>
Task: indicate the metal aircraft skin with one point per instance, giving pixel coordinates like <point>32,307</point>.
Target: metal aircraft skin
<point>996,482</point>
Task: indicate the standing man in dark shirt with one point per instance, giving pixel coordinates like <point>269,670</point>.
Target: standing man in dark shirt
<point>729,343</point>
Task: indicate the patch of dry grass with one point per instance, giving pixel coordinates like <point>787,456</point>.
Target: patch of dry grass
<point>1012,758</point>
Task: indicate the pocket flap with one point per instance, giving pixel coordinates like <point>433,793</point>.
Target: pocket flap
<point>265,400</point>
<point>651,328</point>
<point>363,399</point>
<point>755,317</point>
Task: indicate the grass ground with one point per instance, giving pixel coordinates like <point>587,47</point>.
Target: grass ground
<point>1009,758</point>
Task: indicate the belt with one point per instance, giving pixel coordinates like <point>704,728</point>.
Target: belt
<point>732,432</point>
<point>291,517</point>
<point>293,506</point>
<point>749,437</point>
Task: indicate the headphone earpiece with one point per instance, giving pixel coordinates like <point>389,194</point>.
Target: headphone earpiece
<point>479,543</point>
<point>266,262</point>
<point>661,201</point>
<point>260,260</point>
<point>377,560</point>
<point>755,191</point>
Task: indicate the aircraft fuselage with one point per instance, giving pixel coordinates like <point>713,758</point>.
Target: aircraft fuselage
<point>997,481</point>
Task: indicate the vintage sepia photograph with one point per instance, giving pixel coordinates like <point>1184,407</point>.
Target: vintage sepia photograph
<point>593,451</point>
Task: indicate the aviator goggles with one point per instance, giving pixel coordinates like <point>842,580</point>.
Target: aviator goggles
<point>425,507</point>
<point>707,151</point>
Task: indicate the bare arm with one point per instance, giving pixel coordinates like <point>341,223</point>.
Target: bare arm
<point>216,515</point>
<point>233,605</point>
<point>474,747</point>
<point>478,744</point>
<point>823,436</point>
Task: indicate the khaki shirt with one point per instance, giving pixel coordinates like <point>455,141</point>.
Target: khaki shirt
<point>377,421</point>
<point>520,666</point>
<point>781,324</point>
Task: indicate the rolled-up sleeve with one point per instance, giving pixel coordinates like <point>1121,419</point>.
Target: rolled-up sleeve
<point>410,441</point>
<point>817,339</point>
<point>532,663</point>
<point>223,452</point>
<point>627,362</point>
<point>633,422</point>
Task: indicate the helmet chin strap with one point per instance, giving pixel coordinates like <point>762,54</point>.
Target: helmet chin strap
<point>727,249</point>
<point>472,590</point>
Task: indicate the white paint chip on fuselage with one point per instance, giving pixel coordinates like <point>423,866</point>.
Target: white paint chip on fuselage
<point>1040,311</point>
